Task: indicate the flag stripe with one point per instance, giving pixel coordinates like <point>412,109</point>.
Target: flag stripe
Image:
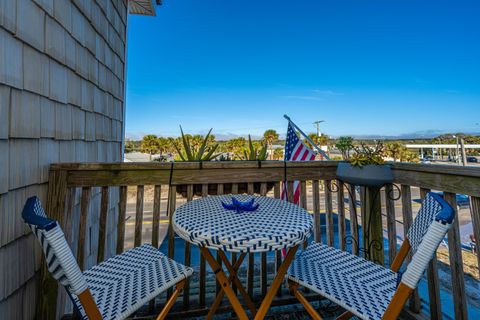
<point>295,150</point>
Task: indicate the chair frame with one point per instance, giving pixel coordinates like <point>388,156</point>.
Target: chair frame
<point>90,307</point>
<point>402,293</point>
<point>396,304</point>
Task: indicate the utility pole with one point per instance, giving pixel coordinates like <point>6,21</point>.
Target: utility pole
<point>317,123</point>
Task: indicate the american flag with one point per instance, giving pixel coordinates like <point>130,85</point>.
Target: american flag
<point>295,150</point>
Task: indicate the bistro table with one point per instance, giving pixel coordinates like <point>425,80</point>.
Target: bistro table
<point>275,225</point>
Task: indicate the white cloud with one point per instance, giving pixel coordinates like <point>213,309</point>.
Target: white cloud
<point>327,93</point>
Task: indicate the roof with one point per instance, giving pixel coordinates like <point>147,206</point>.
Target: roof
<point>143,7</point>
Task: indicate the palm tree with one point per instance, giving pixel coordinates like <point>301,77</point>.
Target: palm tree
<point>162,145</point>
<point>236,147</point>
<point>270,137</point>
<point>394,150</point>
<point>277,154</point>
<point>149,145</point>
<point>345,145</point>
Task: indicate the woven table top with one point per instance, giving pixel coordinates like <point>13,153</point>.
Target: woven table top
<point>275,225</point>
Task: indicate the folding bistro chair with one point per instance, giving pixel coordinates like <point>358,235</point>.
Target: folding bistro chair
<point>365,289</point>
<point>115,288</point>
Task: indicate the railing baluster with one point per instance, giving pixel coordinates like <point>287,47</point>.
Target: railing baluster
<point>278,254</point>
<point>475,212</point>
<point>171,205</point>
<point>456,263</point>
<point>69,215</point>
<point>352,204</point>
<point>250,188</point>
<point>203,266</point>
<point>188,254</point>
<point>290,191</point>
<point>341,215</point>
<point>433,283</point>
<point>263,269</point>
<point>82,229</point>
<point>102,225</point>
<point>251,257</point>
<point>391,223</point>
<point>139,216</point>
<point>407,223</point>
<point>329,212</point>
<point>219,259</point>
<point>157,199</point>
<point>234,188</point>
<point>317,228</point>
<point>303,203</point>
<point>122,210</point>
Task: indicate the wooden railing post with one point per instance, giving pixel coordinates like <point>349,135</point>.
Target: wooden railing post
<point>456,263</point>
<point>407,223</point>
<point>372,229</point>
<point>433,282</point>
<point>55,208</point>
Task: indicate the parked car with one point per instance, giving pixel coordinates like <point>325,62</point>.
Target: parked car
<point>472,159</point>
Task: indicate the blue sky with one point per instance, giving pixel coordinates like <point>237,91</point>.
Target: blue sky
<point>365,67</point>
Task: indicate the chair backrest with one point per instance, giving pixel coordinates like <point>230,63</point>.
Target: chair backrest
<point>429,228</point>
<point>60,260</point>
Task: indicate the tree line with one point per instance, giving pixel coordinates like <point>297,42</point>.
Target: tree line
<point>241,148</point>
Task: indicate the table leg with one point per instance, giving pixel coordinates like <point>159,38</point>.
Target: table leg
<point>231,276</point>
<point>222,278</point>
<point>277,282</point>
<point>237,283</point>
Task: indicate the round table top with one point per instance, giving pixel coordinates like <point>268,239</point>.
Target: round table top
<point>275,225</point>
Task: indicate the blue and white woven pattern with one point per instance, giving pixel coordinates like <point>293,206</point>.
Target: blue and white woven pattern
<point>60,260</point>
<point>430,208</point>
<point>352,282</point>
<point>437,217</point>
<point>124,283</point>
<point>275,225</point>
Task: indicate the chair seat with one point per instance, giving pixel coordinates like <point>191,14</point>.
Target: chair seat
<point>358,285</point>
<point>122,284</point>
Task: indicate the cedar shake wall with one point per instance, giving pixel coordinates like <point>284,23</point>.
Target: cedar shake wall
<point>62,66</point>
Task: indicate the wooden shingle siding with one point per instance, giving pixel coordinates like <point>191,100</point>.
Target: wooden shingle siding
<point>11,68</point>
<point>58,82</point>
<point>30,24</point>
<point>23,163</point>
<point>48,153</point>
<point>36,67</point>
<point>61,100</point>
<point>55,39</point>
<point>4,111</point>
<point>62,12</point>
<point>4,169</point>
<point>8,15</point>
<point>47,118</point>
<point>46,5</point>
<point>24,114</point>
<point>63,122</point>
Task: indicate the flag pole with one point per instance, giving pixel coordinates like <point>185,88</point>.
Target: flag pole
<point>306,137</point>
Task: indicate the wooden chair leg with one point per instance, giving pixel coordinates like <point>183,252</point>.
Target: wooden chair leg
<point>89,305</point>
<point>398,301</point>
<point>171,301</point>
<point>293,286</point>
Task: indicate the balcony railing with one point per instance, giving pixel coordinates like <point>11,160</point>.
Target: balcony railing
<point>168,185</point>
